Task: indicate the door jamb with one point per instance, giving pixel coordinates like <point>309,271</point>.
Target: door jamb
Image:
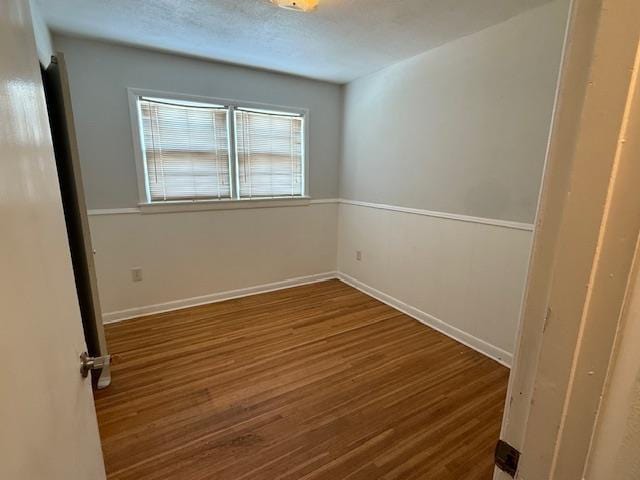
<point>587,226</point>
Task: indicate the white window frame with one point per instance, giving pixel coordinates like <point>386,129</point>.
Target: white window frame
<point>144,197</point>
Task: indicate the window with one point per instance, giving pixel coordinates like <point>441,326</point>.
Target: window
<point>269,154</point>
<point>186,150</point>
<point>194,151</point>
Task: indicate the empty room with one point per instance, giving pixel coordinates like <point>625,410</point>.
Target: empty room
<point>311,239</point>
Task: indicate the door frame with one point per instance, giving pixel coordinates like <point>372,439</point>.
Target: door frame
<point>586,231</point>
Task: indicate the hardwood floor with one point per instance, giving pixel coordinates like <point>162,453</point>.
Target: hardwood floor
<point>314,382</point>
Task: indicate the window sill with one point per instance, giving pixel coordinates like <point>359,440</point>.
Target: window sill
<point>234,204</point>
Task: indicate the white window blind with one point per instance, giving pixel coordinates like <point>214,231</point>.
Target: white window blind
<point>186,150</point>
<point>270,153</point>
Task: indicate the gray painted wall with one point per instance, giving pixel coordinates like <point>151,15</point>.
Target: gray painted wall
<point>462,128</point>
<point>100,73</point>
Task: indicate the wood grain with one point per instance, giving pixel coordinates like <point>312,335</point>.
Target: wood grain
<point>314,382</point>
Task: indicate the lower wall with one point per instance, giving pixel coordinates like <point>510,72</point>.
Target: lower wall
<point>195,257</point>
<point>460,276</point>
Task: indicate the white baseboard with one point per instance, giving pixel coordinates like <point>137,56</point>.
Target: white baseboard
<point>491,351</point>
<point>467,339</point>
<point>112,317</point>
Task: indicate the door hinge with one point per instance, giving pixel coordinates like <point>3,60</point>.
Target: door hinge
<point>88,363</point>
<point>507,458</point>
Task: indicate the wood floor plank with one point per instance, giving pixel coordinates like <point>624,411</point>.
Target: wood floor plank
<point>315,382</point>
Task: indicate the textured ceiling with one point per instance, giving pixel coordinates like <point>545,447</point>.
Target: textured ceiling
<point>340,41</point>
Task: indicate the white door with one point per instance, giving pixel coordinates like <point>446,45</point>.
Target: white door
<point>48,428</point>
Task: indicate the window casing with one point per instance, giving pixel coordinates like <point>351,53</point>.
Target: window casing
<point>192,149</point>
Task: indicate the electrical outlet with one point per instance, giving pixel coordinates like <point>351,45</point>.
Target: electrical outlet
<point>358,255</point>
<point>136,274</point>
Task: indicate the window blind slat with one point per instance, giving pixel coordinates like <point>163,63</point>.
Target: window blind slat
<point>269,149</point>
<point>186,150</point>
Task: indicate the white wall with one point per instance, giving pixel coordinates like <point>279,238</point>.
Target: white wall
<point>459,135</point>
<point>463,278</point>
<point>203,254</point>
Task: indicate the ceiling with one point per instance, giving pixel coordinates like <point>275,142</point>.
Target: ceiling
<point>340,41</point>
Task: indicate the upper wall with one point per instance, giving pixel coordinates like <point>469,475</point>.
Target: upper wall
<point>462,128</point>
<point>100,74</point>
